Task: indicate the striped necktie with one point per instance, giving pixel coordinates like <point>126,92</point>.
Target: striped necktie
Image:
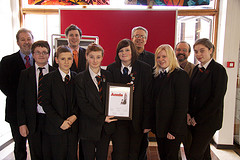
<point>40,77</point>
<point>27,64</point>
<point>99,83</point>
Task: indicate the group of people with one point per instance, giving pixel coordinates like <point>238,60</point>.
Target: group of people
<point>61,109</point>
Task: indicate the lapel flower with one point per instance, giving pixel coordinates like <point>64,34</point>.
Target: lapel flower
<point>103,78</point>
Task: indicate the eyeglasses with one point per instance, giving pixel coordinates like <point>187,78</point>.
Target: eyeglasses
<point>43,53</point>
<point>139,36</point>
<point>179,50</point>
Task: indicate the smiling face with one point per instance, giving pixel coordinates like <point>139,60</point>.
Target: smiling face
<point>41,55</point>
<point>162,59</point>
<point>25,42</point>
<point>139,38</point>
<point>182,52</point>
<point>202,53</point>
<point>125,55</point>
<point>94,59</point>
<point>64,61</point>
<point>73,38</point>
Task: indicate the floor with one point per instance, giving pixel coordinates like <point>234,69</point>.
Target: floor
<point>217,154</point>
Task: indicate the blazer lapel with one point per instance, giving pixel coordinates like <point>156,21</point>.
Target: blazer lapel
<point>60,84</point>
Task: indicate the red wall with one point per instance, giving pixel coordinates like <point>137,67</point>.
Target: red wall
<point>113,25</point>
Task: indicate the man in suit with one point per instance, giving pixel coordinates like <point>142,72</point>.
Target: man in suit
<point>139,38</point>
<point>73,35</point>
<point>10,68</point>
<point>31,116</point>
<point>183,51</point>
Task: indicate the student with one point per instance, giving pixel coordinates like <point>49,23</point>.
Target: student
<point>170,101</point>
<point>95,127</point>
<point>31,117</point>
<point>58,101</point>
<point>207,90</point>
<point>128,134</point>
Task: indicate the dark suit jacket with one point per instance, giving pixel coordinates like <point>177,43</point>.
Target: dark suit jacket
<point>92,109</point>
<point>10,69</point>
<point>206,98</point>
<point>171,103</point>
<point>54,102</point>
<point>141,95</point>
<point>81,62</point>
<point>147,57</point>
<point>27,98</point>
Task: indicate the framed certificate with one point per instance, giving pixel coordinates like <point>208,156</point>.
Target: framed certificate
<point>119,101</point>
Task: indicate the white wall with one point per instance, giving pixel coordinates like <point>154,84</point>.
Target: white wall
<point>227,50</point>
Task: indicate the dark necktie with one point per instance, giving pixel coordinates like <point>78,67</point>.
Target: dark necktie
<point>163,74</point>
<point>125,71</point>
<point>40,77</point>
<point>99,83</point>
<point>27,64</point>
<point>67,79</point>
<point>202,69</point>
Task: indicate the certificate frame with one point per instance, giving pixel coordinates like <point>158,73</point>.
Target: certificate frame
<point>119,101</point>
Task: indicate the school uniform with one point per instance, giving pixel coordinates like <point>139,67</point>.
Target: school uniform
<point>208,88</point>
<point>94,132</point>
<point>59,103</point>
<point>31,114</point>
<point>130,133</point>
<point>81,62</point>
<point>170,101</point>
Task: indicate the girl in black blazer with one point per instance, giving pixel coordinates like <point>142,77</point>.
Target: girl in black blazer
<point>170,101</point>
<point>95,127</point>
<point>59,103</point>
<point>127,69</point>
<point>207,90</point>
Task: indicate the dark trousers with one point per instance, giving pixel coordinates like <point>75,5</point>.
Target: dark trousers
<point>135,143</point>
<point>143,148</point>
<point>64,146</point>
<point>39,142</point>
<point>20,149</point>
<point>168,149</point>
<point>186,140</point>
<point>96,149</point>
<point>200,147</point>
<point>120,141</point>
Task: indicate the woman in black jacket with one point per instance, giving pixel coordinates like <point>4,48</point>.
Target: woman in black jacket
<point>170,98</point>
<point>207,90</point>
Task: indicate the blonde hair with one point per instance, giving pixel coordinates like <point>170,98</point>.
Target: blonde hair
<point>173,63</point>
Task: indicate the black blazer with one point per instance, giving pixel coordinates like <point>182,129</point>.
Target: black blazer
<point>81,62</point>
<point>10,68</point>
<point>54,102</point>
<point>171,103</point>
<point>206,97</point>
<point>91,108</point>
<point>141,95</point>
<point>27,98</point>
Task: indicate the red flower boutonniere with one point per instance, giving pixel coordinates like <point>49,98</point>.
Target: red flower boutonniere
<point>132,75</point>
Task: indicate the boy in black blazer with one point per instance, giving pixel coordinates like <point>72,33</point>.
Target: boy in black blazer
<point>31,117</point>
<point>58,102</point>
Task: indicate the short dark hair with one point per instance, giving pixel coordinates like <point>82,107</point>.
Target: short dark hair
<point>73,27</point>
<point>23,30</point>
<point>94,47</point>
<point>61,49</point>
<point>189,50</point>
<point>40,44</point>
<point>207,43</point>
<point>125,43</point>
